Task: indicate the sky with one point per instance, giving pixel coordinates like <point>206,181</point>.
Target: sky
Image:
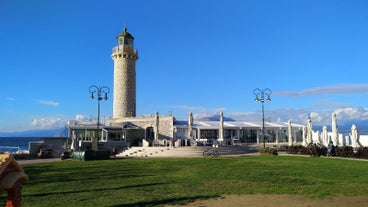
<point>200,56</point>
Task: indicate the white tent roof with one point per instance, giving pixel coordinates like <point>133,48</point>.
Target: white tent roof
<point>237,125</point>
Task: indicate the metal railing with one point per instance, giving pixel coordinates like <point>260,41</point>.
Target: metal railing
<point>11,148</point>
<point>125,48</point>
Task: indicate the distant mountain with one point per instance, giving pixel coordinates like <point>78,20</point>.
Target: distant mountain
<point>345,127</point>
<point>362,126</point>
<point>215,117</point>
<point>59,132</point>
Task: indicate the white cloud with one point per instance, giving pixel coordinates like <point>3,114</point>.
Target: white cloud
<point>350,113</point>
<point>316,116</point>
<point>47,102</point>
<point>9,99</point>
<point>47,123</point>
<point>344,89</point>
<point>79,117</point>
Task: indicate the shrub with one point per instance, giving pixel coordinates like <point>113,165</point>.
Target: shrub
<point>268,151</point>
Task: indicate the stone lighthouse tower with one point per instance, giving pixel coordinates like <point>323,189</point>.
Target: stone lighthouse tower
<point>124,56</point>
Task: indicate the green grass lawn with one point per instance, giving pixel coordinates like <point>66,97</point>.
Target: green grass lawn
<point>156,182</point>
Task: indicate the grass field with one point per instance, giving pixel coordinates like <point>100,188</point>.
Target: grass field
<point>156,182</point>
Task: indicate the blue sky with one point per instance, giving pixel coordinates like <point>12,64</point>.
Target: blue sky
<point>195,55</point>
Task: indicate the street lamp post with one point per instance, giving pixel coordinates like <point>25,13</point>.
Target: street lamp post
<point>260,96</point>
<point>102,92</point>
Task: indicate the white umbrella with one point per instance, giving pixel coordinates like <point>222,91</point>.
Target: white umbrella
<point>74,138</point>
<point>335,130</point>
<point>304,136</point>
<point>325,140</point>
<point>157,121</point>
<point>190,125</point>
<point>318,137</point>
<point>309,132</point>
<point>354,136</point>
<point>290,136</point>
<point>221,131</point>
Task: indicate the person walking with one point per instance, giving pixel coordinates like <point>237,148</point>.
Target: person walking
<point>330,148</point>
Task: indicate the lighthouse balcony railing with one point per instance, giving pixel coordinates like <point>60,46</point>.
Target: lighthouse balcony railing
<point>125,48</point>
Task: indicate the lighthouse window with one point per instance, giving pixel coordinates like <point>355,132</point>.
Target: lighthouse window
<point>121,40</point>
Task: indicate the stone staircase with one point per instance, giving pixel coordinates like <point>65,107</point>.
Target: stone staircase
<point>182,151</point>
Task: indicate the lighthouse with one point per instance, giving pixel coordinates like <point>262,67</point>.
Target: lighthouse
<point>124,56</point>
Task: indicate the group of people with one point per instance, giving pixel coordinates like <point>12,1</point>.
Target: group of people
<point>317,150</point>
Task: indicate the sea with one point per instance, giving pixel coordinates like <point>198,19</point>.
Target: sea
<point>16,144</point>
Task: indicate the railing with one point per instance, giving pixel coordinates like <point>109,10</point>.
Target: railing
<point>13,149</point>
<point>125,48</point>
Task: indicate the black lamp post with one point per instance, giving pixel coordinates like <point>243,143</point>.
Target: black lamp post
<point>260,96</point>
<point>102,92</point>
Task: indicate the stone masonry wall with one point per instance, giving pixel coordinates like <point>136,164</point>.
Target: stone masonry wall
<point>124,103</point>
<point>166,124</point>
